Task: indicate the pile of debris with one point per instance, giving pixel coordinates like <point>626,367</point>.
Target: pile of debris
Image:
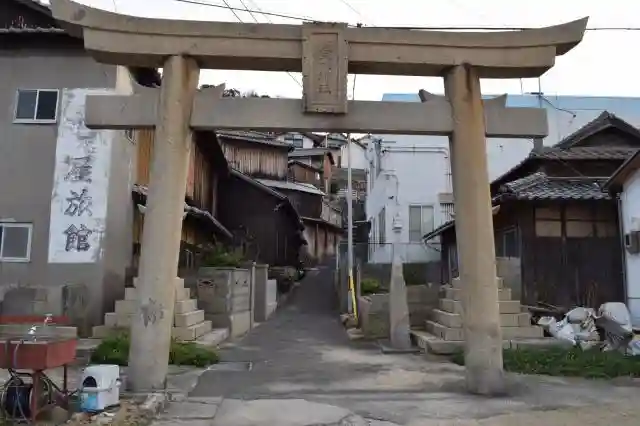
<point>608,329</point>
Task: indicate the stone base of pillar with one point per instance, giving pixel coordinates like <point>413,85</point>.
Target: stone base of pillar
<point>189,322</point>
<point>447,322</point>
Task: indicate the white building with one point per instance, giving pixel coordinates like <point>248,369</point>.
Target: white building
<point>409,177</point>
<point>625,182</point>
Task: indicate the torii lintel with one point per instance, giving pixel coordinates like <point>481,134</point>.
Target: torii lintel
<point>213,112</point>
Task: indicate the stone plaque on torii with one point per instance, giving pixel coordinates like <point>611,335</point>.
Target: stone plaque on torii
<point>325,53</point>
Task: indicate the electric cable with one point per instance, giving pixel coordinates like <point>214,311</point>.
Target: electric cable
<point>434,28</point>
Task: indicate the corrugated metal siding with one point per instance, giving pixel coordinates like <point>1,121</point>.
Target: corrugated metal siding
<point>256,161</point>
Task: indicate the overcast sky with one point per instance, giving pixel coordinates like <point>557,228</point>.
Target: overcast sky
<point>605,64</point>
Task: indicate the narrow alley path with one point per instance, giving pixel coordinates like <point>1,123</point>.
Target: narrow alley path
<point>305,371</point>
<point>291,347</point>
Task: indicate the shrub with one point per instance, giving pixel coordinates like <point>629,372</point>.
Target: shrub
<point>221,258</point>
<point>369,286</point>
<point>115,350</point>
<point>572,362</point>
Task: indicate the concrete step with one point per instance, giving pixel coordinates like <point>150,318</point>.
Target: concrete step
<point>453,334</point>
<point>22,330</point>
<point>127,307</point>
<point>457,282</point>
<point>184,306</point>
<point>432,344</point>
<point>214,337</point>
<point>192,332</point>
<point>456,294</point>
<point>190,318</point>
<point>449,319</point>
<point>178,282</point>
<point>130,293</point>
<point>455,306</point>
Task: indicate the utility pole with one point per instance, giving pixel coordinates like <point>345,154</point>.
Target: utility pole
<point>352,289</point>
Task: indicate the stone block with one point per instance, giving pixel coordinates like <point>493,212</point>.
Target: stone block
<point>453,320</point>
<point>131,293</point>
<point>178,282</point>
<point>110,319</point>
<point>124,320</point>
<point>188,319</point>
<point>266,293</point>
<point>184,306</point>
<point>457,282</point>
<point>125,307</point>
<point>444,332</point>
<point>455,306</point>
<point>241,303</point>
<point>238,323</point>
<point>528,332</point>
<point>456,294</point>
<point>191,332</point>
<point>435,345</point>
<point>447,333</point>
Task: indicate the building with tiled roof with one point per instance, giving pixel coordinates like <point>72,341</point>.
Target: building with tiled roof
<point>553,219</point>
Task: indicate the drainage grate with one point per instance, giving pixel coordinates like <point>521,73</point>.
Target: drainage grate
<point>231,366</point>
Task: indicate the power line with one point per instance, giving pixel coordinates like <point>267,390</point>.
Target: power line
<point>356,11</point>
<point>247,9</point>
<point>256,20</point>
<point>221,6</point>
<point>232,11</point>
<point>434,28</point>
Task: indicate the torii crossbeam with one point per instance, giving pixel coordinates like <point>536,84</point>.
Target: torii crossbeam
<point>325,53</point>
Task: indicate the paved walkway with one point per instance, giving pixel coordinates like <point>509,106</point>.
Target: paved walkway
<point>305,371</point>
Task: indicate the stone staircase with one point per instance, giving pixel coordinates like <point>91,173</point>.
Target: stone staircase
<point>445,331</point>
<point>189,323</point>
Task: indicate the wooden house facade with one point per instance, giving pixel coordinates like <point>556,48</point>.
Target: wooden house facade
<point>207,168</point>
<point>551,213</point>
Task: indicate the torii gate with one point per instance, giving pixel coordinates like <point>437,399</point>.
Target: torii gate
<point>325,53</point>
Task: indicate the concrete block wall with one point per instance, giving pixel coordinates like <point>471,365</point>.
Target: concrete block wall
<point>225,296</point>
<point>265,294</point>
<point>374,309</point>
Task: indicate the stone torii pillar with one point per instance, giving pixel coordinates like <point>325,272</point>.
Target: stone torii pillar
<point>148,355</point>
<point>474,231</point>
<point>325,53</point>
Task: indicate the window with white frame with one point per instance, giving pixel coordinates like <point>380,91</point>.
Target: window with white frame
<point>420,222</point>
<point>36,106</point>
<point>15,242</point>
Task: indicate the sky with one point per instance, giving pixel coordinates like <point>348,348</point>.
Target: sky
<point>606,63</point>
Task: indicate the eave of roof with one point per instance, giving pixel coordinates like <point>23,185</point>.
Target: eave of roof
<point>615,182</point>
<point>253,137</point>
<point>142,191</point>
<point>603,121</point>
<point>292,186</point>
<point>450,224</point>
<point>305,165</point>
<point>540,187</point>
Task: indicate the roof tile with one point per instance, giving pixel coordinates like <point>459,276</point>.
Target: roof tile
<point>539,186</point>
